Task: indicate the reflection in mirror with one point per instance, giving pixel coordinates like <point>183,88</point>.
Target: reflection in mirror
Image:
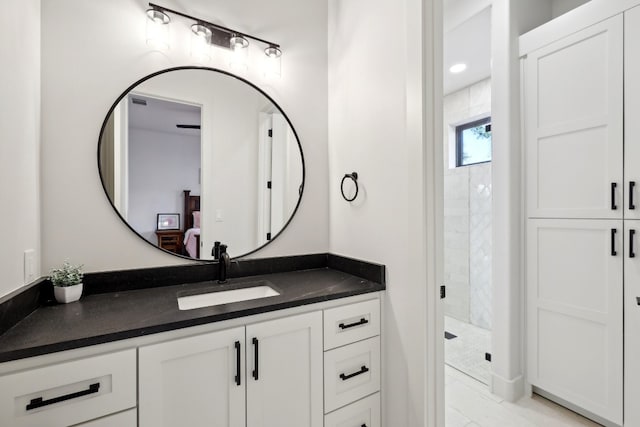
<point>206,146</point>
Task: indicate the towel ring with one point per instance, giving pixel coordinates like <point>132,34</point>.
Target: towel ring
<point>354,177</point>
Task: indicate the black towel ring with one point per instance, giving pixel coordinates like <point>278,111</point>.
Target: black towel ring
<point>354,177</point>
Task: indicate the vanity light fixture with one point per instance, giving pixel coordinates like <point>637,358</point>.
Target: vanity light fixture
<point>205,34</point>
<point>158,29</point>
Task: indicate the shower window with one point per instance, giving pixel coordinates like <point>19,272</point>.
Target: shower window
<point>473,142</point>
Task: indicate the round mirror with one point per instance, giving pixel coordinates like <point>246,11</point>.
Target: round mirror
<point>191,156</point>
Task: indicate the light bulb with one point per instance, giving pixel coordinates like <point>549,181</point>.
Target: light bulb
<point>200,42</point>
<point>158,29</point>
<point>272,62</point>
<point>239,52</point>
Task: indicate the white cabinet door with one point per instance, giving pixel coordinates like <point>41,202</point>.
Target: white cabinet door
<point>632,112</point>
<point>632,323</point>
<point>284,370</point>
<point>573,125</point>
<point>193,381</point>
<point>574,312</point>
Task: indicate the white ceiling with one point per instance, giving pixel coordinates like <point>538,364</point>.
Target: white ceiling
<point>162,116</point>
<point>467,39</point>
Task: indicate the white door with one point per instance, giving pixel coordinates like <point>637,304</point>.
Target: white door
<point>193,381</point>
<point>573,125</point>
<point>284,372</point>
<point>632,323</point>
<point>632,112</point>
<point>574,312</point>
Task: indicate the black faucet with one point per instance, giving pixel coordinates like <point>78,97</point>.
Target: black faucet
<point>223,264</point>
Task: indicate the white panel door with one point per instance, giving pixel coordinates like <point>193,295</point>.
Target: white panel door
<point>573,125</point>
<point>632,323</point>
<point>193,381</point>
<point>632,112</point>
<point>574,312</point>
<point>284,372</point>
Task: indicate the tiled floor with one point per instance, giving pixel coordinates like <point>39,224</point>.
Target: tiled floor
<point>467,351</point>
<point>468,403</point>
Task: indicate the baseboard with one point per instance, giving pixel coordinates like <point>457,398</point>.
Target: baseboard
<point>509,390</point>
<point>572,407</point>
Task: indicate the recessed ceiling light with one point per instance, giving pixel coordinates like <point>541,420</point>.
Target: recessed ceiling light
<point>458,68</point>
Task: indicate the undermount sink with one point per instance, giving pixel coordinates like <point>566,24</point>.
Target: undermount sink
<point>210,299</point>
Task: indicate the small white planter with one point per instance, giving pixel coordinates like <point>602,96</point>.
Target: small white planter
<point>65,294</point>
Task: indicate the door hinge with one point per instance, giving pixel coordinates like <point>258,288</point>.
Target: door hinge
<point>268,236</point>
<point>487,357</point>
<point>270,133</point>
<point>443,292</point>
<point>269,184</point>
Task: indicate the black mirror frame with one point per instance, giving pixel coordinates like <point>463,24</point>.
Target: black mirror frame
<point>167,70</point>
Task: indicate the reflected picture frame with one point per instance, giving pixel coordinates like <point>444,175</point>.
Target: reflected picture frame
<point>168,221</point>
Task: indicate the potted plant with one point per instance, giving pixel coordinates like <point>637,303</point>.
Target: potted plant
<point>67,282</point>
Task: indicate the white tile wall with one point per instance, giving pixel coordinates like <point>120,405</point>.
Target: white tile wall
<point>467,211</point>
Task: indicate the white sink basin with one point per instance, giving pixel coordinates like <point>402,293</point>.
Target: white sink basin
<point>225,297</point>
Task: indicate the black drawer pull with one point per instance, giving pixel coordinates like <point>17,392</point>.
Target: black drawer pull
<point>363,425</point>
<point>39,402</point>
<point>613,242</point>
<point>613,196</point>
<point>362,370</point>
<point>362,321</point>
<point>237,345</point>
<point>632,185</point>
<point>638,300</point>
<point>255,349</point>
<point>632,234</point>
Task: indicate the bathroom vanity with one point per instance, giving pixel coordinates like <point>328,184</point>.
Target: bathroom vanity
<point>308,356</point>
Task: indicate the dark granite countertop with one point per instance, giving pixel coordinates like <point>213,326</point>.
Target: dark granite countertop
<point>106,317</point>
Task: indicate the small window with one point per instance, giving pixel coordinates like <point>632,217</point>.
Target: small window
<point>473,142</point>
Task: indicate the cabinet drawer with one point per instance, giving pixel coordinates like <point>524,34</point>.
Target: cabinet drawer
<point>351,373</point>
<point>69,393</point>
<point>365,412</point>
<point>123,419</point>
<point>351,323</point>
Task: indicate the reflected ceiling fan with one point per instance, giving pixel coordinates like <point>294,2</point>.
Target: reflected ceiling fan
<point>183,126</point>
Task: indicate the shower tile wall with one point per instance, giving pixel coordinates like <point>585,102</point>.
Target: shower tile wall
<point>467,215</point>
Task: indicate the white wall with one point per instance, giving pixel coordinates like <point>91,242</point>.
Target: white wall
<point>161,166</point>
<point>375,129</point>
<point>20,141</point>
<point>93,50</point>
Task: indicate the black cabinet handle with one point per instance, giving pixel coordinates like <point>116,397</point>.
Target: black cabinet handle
<point>362,321</point>
<point>39,402</point>
<point>632,185</point>
<point>362,370</point>
<point>613,242</point>
<point>613,196</point>
<point>255,350</point>
<point>363,425</point>
<point>632,233</point>
<point>238,367</point>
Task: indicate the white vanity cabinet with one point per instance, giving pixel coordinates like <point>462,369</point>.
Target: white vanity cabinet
<point>203,380</point>
<point>309,366</point>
